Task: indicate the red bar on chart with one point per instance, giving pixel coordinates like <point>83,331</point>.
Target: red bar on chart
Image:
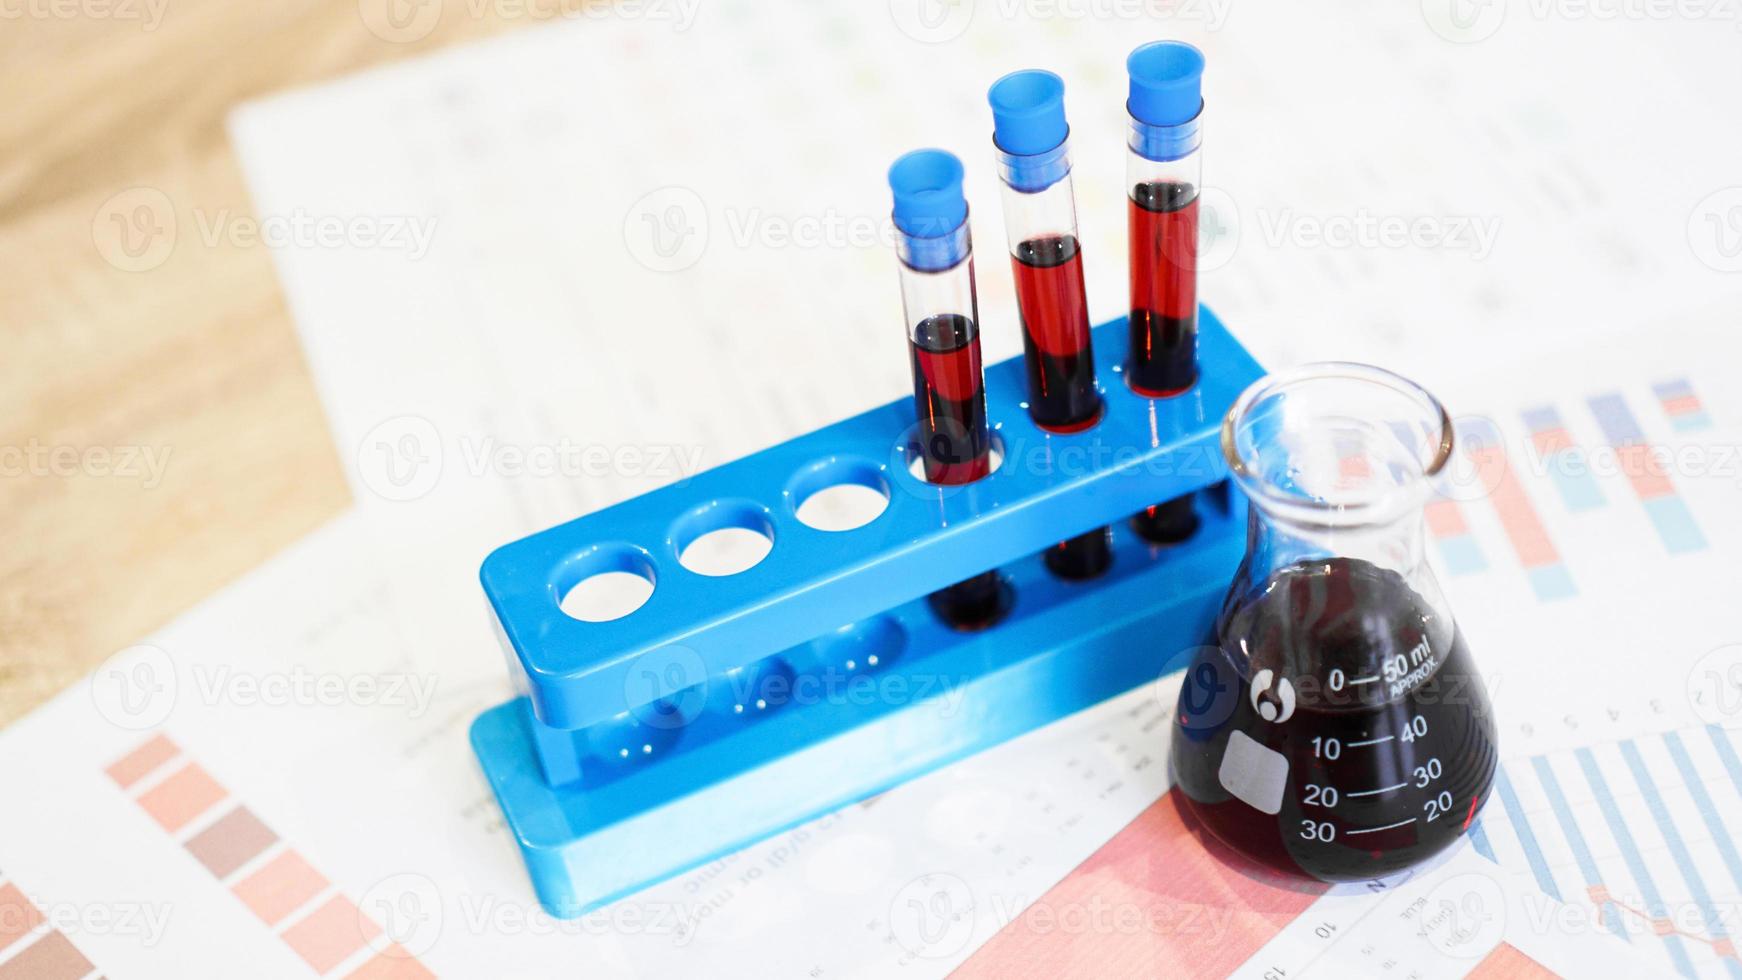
<point>1524,529</point>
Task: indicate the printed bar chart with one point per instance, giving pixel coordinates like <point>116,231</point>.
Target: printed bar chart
<point>1567,464</point>
<point>30,947</point>
<point>1524,529</point>
<point>1636,831</point>
<point>319,923</point>
<point>1682,405</point>
<point>1668,512</point>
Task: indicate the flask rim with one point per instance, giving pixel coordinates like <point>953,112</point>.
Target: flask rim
<point>1378,507</point>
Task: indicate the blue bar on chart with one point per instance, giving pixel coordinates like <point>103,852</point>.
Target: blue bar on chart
<point>1668,512</point>
<point>1536,551</point>
<point>1686,413</point>
<point>1568,466</point>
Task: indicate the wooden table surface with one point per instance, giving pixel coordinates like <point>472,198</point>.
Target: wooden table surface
<point>159,433</point>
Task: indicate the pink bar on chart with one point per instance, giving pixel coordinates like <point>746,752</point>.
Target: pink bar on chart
<point>330,934</point>
<point>1210,908</point>
<point>280,887</point>
<point>181,797</point>
<point>142,761</point>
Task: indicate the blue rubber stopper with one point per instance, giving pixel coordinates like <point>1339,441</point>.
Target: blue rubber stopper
<point>1166,83</point>
<point>1028,112</point>
<point>928,193</point>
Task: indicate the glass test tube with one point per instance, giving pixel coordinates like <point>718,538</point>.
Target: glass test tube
<point>1030,135</point>
<point>943,336</point>
<point>1164,171</point>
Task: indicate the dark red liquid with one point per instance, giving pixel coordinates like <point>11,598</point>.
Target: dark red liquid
<point>1055,333</point>
<point>1381,773</point>
<point>1164,288</point>
<point>1082,557</point>
<point>1061,369</point>
<point>973,603</point>
<point>1167,523</point>
<point>949,397</point>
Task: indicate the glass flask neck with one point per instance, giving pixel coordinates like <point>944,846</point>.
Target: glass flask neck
<point>1337,462</point>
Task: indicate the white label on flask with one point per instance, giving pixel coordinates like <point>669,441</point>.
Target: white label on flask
<point>1256,775</point>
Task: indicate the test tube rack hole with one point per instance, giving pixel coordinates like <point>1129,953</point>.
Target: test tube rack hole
<point>726,708</point>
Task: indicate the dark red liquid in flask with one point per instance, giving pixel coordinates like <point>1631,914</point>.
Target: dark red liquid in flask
<point>1163,224</point>
<point>1338,728</point>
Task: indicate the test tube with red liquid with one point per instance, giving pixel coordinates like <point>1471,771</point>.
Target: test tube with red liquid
<point>1040,222</point>
<point>953,440</point>
<point>1164,171</point>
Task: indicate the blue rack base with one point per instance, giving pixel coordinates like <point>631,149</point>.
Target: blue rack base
<point>892,698</point>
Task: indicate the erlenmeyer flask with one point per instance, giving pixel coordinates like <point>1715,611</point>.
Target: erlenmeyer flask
<point>1336,727</point>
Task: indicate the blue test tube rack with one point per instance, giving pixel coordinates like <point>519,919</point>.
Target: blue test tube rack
<point>726,709</point>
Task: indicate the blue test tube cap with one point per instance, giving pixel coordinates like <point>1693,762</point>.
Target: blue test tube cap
<point>1028,112</point>
<point>928,193</point>
<point>1166,83</point>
